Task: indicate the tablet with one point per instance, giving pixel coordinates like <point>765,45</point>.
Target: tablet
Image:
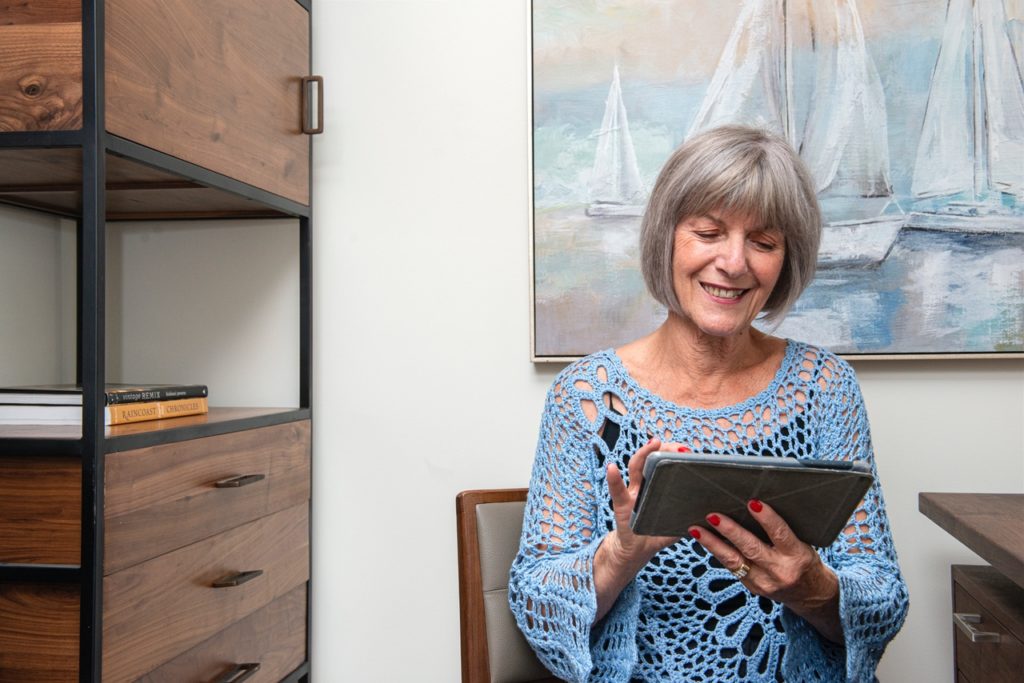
<point>815,497</point>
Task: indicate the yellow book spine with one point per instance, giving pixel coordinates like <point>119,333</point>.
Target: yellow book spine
<point>125,413</point>
<point>181,407</point>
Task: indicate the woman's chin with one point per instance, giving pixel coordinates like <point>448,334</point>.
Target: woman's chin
<point>724,329</point>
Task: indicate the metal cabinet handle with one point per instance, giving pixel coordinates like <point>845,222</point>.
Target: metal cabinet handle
<point>237,579</point>
<point>309,84</point>
<point>963,622</point>
<point>239,673</point>
<point>239,481</point>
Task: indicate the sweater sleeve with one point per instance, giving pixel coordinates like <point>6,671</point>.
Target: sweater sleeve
<point>551,585</point>
<point>873,598</point>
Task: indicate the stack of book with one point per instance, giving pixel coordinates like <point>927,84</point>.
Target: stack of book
<point>61,404</point>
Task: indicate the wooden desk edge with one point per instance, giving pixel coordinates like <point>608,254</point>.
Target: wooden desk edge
<point>1009,562</point>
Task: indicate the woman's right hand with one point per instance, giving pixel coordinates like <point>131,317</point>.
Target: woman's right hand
<point>622,554</point>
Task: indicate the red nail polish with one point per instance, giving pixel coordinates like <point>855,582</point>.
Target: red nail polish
<point>715,520</point>
<point>683,449</point>
<point>695,534</point>
<point>755,505</point>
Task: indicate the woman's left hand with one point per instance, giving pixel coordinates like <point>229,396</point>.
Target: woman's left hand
<point>787,570</point>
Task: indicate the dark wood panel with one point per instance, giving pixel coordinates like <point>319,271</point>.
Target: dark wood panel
<point>274,637</point>
<point>164,497</point>
<point>158,609</point>
<point>14,12</point>
<point>50,180</point>
<point>40,509</point>
<point>144,203</point>
<point>214,82</point>
<point>38,633</point>
<point>987,523</point>
<point>41,79</point>
<point>996,593</point>
<point>992,662</point>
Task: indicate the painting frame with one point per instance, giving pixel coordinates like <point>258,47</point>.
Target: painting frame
<point>547,354</point>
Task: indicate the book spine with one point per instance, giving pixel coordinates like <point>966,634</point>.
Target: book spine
<point>155,410</point>
<point>182,407</point>
<point>117,396</point>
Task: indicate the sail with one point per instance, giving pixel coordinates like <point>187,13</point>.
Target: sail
<point>749,85</point>
<point>1004,101</point>
<point>846,145</point>
<point>616,176</point>
<point>945,159</point>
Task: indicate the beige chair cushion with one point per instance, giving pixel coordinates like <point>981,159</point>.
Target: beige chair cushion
<point>499,526</point>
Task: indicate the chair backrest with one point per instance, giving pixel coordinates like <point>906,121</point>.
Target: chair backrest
<point>489,523</point>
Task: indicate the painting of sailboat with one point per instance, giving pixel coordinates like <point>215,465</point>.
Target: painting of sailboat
<point>909,114</point>
<point>845,138</point>
<point>969,168</point>
<point>615,185</point>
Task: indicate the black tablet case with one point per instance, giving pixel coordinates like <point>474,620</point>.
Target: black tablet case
<point>816,502</point>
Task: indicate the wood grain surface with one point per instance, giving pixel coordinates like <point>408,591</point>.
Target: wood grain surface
<point>987,523</point>
<point>213,82</point>
<point>20,12</point>
<point>156,610</point>
<point>163,497</point>
<point>38,633</point>
<point>991,662</point>
<point>274,637</point>
<point>40,509</point>
<point>41,78</point>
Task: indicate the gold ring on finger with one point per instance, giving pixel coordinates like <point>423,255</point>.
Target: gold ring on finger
<point>741,571</point>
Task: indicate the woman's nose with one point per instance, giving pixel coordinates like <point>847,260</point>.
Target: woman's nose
<point>732,260</point>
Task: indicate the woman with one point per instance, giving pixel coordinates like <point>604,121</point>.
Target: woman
<point>731,233</point>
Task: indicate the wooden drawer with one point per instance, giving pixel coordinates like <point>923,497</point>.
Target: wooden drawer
<point>38,632</point>
<point>40,509</point>
<point>214,82</point>
<point>998,605</point>
<point>273,638</point>
<point>165,497</point>
<point>156,610</point>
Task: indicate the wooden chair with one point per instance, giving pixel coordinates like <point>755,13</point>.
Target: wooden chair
<point>489,523</point>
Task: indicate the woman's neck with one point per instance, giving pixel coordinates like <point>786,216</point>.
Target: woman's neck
<point>682,364</point>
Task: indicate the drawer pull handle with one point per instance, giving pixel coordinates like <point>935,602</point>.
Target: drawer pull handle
<point>239,481</point>
<point>239,673</point>
<point>309,127</point>
<point>237,579</point>
<point>963,622</point>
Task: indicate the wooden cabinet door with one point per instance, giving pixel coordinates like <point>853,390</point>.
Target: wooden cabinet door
<point>217,83</point>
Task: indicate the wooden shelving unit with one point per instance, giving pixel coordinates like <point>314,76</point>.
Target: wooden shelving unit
<point>175,550</point>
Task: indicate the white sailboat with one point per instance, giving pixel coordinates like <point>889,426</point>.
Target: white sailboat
<point>844,140</point>
<point>616,188</point>
<point>969,169</point>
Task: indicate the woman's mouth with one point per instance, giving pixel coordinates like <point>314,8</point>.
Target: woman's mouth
<point>723,292</point>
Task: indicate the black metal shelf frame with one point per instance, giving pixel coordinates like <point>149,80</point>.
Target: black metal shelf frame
<point>95,143</point>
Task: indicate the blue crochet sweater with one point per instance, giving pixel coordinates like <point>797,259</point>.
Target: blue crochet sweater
<point>684,617</point>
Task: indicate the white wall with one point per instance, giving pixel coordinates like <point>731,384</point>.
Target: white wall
<point>186,302</point>
<point>202,303</point>
<point>37,296</point>
<point>423,384</point>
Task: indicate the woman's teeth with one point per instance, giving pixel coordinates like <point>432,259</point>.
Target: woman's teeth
<point>724,293</point>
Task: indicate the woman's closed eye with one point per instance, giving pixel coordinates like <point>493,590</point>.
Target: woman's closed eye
<point>707,234</point>
<point>764,243</point>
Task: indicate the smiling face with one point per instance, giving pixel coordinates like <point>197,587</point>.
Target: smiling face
<point>724,267</point>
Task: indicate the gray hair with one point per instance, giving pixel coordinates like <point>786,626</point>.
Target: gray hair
<point>734,168</point>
